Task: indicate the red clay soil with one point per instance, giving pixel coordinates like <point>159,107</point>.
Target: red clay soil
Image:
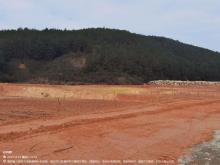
<point>159,123</point>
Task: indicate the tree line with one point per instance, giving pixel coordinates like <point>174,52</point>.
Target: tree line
<point>112,57</point>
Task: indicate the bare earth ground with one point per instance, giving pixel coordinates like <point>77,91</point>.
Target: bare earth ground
<point>142,124</point>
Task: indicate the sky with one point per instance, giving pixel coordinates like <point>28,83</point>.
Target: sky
<point>195,22</point>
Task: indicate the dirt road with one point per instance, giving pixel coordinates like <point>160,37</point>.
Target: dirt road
<point>113,125</point>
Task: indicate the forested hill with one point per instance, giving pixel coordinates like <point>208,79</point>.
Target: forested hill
<point>99,55</point>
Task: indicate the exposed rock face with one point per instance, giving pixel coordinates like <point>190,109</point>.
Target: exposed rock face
<point>78,62</point>
<point>183,83</point>
<point>22,66</point>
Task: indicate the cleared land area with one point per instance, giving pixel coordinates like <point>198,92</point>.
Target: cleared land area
<point>151,122</point>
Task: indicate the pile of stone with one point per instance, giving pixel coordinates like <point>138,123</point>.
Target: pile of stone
<point>183,83</point>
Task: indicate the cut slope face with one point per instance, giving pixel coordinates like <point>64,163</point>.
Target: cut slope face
<point>72,92</point>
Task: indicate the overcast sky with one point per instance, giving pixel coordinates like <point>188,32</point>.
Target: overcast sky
<point>192,21</point>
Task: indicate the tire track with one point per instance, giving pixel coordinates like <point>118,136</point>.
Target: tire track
<point>11,132</point>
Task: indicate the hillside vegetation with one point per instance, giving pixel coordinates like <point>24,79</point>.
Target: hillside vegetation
<point>100,55</point>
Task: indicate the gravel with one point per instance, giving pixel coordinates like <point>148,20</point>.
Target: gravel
<point>204,154</point>
<point>183,83</point>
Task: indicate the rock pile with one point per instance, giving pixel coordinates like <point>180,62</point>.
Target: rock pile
<point>183,83</point>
